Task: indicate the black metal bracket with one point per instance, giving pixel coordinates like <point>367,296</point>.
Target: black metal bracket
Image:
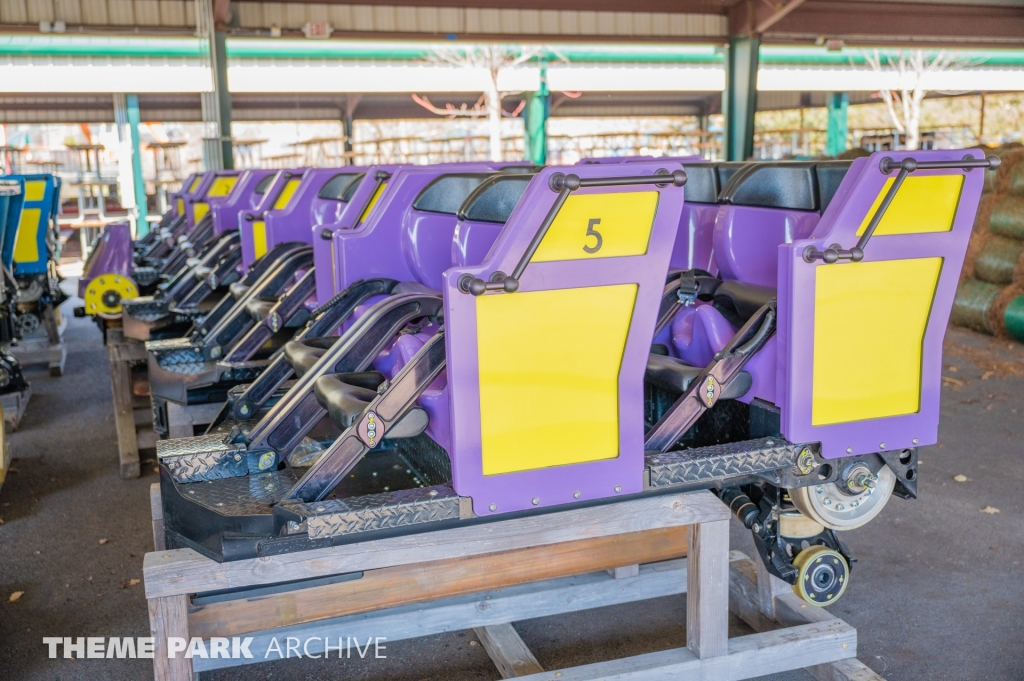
<point>564,185</point>
<point>835,252</point>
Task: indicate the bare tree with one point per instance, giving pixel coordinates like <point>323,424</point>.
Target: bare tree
<point>912,69</point>
<point>494,58</point>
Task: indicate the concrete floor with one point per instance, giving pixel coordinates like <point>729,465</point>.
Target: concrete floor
<point>931,596</point>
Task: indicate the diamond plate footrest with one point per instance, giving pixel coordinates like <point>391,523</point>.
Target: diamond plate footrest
<point>388,510</point>
<point>145,308</point>
<point>206,457</point>
<point>704,465</point>
<point>145,275</point>
<point>178,356</point>
<point>251,495</point>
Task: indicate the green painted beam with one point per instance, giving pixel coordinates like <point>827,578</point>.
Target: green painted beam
<point>259,48</point>
<point>219,59</point>
<point>134,119</point>
<point>739,100</point>
<point>535,122</point>
<point>835,141</point>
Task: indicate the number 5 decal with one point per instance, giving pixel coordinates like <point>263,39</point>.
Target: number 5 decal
<point>593,232</point>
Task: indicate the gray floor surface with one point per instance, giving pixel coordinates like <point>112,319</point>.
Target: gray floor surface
<point>932,593</point>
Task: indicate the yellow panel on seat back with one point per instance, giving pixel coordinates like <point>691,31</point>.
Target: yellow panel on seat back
<point>35,190</point>
<point>181,207</point>
<point>869,324</point>
<point>259,238</point>
<point>195,184</point>
<point>549,375</point>
<point>222,186</point>
<point>286,194</point>
<point>26,246</point>
<point>607,225</point>
<point>373,202</point>
<point>925,203</point>
<point>199,210</point>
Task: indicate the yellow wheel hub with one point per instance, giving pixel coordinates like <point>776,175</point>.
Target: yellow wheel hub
<point>105,293</point>
<point>823,575</point>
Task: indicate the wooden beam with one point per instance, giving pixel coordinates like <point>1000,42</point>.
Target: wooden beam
<point>183,571</point>
<point>780,13</point>
<point>508,651</point>
<point>425,582</point>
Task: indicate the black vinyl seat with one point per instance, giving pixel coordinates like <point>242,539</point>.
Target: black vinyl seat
<point>675,377</point>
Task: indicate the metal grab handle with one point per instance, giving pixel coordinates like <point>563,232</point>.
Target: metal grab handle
<point>835,252</point>
<point>564,185</point>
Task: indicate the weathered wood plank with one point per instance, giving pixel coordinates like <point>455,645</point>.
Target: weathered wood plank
<point>748,656</point>
<point>512,604</point>
<point>624,571</point>
<point>185,571</point>
<point>744,602</point>
<point>169,617</point>
<point>157,511</point>
<point>425,582</point>
<point>508,651</point>
<point>707,609</point>
<point>124,415</point>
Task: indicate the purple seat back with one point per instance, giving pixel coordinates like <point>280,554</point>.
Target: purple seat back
<point>244,196</point>
<point>360,199</point>
<point>251,225</point>
<point>398,241</point>
<point>213,187</point>
<point>546,384</point>
<point>860,343</point>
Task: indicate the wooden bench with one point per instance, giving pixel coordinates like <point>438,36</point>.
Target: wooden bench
<point>485,577</point>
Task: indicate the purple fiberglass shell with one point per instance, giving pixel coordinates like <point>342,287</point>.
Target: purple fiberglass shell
<point>290,217</point>
<point>251,226</point>
<point>243,197</point>
<point>397,241</point>
<point>920,253</point>
<point>345,216</point>
<point>551,279</point>
<point>112,255</point>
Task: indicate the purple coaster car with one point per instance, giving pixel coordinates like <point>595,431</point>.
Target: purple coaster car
<point>574,364</point>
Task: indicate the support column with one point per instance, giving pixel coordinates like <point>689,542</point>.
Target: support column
<point>217,151</point>
<point>838,103</point>
<point>739,100</point>
<point>346,130</point>
<point>141,200</point>
<point>535,121</point>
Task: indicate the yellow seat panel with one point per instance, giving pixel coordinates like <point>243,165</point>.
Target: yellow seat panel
<point>869,325</point>
<point>259,238</point>
<point>549,375</point>
<point>35,190</point>
<point>609,225</point>
<point>925,203</point>
<point>199,210</point>
<point>373,202</point>
<point>286,194</point>
<point>222,186</point>
<point>26,246</point>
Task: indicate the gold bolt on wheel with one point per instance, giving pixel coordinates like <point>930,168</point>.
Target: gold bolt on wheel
<point>822,575</point>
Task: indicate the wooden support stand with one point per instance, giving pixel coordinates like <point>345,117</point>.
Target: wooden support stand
<point>485,577</point>
<point>46,345</point>
<point>133,412</point>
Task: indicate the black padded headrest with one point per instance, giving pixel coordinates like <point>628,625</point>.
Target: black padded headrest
<point>337,187</point>
<point>791,185</point>
<point>446,193</point>
<point>701,183</point>
<point>261,186</point>
<point>830,176</point>
<point>727,170</point>
<point>495,198</point>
